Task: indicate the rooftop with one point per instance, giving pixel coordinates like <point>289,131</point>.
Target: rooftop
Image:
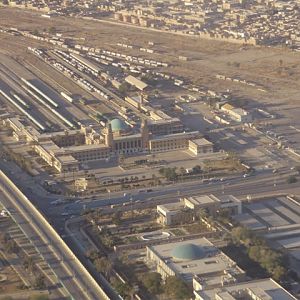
<point>195,257</point>
<point>263,288</point>
<point>83,148</point>
<point>200,200</point>
<point>170,207</point>
<point>136,82</point>
<point>175,135</point>
<point>201,142</point>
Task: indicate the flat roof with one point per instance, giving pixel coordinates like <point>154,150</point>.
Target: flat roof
<point>136,82</point>
<point>174,135</point>
<point>59,133</point>
<point>168,207</point>
<point>200,200</point>
<point>249,221</point>
<point>85,147</point>
<point>214,261</point>
<point>290,243</point>
<point>201,142</point>
<point>67,159</point>
<point>49,146</point>
<point>163,121</point>
<point>262,287</point>
<point>127,137</point>
<point>267,215</point>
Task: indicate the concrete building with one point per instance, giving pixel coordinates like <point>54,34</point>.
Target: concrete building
<point>194,259</point>
<point>185,210</point>
<point>165,126</point>
<point>200,146</point>
<point>212,204</point>
<point>237,114</point>
<point>210,273</point>
<point>174,213</point>
<point>65,150</point>
<point>262,289</point>
<point>139,84</point>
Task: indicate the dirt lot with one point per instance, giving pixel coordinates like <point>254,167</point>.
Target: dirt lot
<point>276,69</point>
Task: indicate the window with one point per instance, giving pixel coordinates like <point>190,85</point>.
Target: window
<point>209,262</point>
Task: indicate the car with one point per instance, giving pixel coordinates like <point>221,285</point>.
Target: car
<point>246,175</point>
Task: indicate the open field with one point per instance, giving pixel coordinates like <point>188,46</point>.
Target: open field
<point>275,70</point>
<point>208,57</point>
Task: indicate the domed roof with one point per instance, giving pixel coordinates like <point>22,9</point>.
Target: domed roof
<point>188,252</point>
<point>117,125</point>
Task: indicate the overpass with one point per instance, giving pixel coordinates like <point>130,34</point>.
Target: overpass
<point>71,273</point>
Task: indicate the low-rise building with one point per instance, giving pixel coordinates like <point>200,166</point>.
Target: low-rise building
<point>139,84</point>
<point>65,150</point>
<point>237,114</point>
<point>174,213</point>
<point>195,261</point>
<point>212,204</point>
<point>200,146</point>
<point>187,208</point>
<point>262,289</point>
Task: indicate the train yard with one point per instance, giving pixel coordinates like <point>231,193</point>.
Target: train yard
<point>34,99</point>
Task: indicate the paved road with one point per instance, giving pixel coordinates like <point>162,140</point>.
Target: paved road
<point>262,182</point>
<point>73,276</point>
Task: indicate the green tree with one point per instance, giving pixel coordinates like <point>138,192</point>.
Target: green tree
<point>124,88</point>
<point>117,218</point>
<point>40,282</point>
<point>152,282</point>
<point>161,171</point>
<point>170,174</point>
<point>103,265</point>
<point>182,172</point>
<point>197,169</point>
<point>291,179</point>
<point>201,213</point>
<point>11,247</point>
<point>240,234</point>
<point>176,288</point>
<point>93,254</point>
<point>279,273</point>
<point>29,264</point>
<point>124,289</point>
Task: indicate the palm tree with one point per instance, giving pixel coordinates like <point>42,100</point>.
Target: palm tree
<point>182,172</point>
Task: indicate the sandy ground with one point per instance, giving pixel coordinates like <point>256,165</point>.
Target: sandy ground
<point>277,70</point>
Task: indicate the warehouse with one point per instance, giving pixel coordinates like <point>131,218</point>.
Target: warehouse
<point>140,85</point>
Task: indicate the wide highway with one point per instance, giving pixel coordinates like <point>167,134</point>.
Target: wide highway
<point>71,273</point>
<point>260,183</point>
